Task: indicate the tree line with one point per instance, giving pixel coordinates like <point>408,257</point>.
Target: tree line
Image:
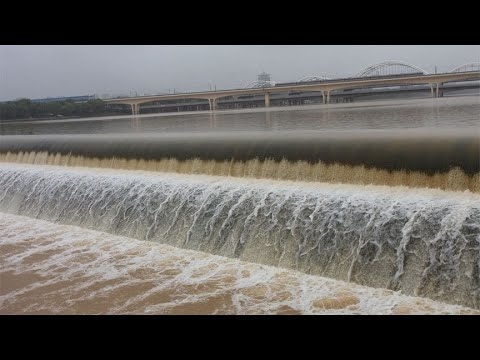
<point>26,109</point>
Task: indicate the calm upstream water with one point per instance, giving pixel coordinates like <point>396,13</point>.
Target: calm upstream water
<point>370,207</point>
<point>448,112</point>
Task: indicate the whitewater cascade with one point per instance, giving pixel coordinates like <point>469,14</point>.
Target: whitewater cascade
<point>455,179</point>
<point>59,269</point>
<point>422,242</point>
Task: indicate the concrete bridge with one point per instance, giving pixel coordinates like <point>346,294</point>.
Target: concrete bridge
<point>323,87</point>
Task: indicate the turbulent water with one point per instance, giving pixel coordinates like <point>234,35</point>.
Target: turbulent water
<point>421,242</point>
<point>57,269</point>
<point>384,195</point>
<point>454,179</point>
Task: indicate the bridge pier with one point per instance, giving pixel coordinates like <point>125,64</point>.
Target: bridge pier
<point>135,109</point>
<point>326,96</point>
<point>213,104</point>
<point>267,100</point>
<point>436,92</point>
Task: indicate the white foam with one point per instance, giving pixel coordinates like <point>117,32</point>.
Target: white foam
<point>421,241</point>
<point>85,271</point>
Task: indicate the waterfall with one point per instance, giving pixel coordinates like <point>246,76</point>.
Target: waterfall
<point>454,179</point>
<point>420,241</point>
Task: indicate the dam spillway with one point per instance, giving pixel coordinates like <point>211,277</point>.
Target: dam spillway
<point>417,241</point>
<point>390,150</point>
<point>386,208</point>
<point>448,161</point>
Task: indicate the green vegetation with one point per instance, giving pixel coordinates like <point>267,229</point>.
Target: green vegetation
<point>26,109</point>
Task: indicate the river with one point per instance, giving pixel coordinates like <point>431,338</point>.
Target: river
<point>359,208</point>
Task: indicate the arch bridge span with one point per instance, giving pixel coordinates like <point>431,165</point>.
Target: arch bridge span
<point>474,66</point>
<point>390,67</point>
<point>325,87</point>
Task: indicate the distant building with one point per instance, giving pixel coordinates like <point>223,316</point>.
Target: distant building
<point>77,99</point>
<point>264,77</point>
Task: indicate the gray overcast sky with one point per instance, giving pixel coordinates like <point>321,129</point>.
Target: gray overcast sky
<point>42,71</point>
